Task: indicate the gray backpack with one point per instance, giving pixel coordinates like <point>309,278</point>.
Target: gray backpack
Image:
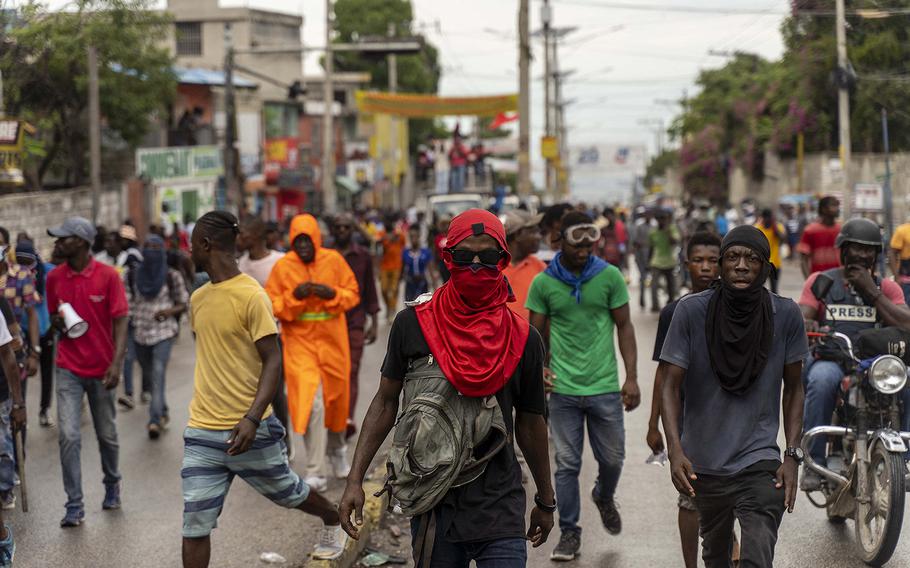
<point>442,439</point>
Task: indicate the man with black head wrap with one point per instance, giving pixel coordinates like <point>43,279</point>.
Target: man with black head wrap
<point>730,348</point>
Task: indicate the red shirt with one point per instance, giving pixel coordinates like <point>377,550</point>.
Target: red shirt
<point>890,289</point>
<point>818,242</point>
<point>98,296</point>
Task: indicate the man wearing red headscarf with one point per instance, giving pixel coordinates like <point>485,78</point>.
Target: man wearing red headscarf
<point>483,349</point>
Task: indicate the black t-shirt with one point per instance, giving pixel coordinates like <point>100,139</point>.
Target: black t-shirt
<point>492,506</point>
<point>663,326</point>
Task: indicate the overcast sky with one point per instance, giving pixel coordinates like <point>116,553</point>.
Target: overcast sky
<point>630,64</point>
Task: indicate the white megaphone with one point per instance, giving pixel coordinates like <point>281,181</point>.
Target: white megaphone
<point>75,325</point>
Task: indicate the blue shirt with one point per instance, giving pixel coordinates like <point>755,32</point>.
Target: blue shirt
<point>416,262</point>
<point>724,433</point>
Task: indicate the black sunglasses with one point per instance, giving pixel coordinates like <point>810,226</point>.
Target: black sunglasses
<point>487,256</point>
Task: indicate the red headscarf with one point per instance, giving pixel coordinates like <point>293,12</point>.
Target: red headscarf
<point>476,339</point>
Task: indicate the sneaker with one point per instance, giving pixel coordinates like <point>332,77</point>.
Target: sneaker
<point>811,481</point>
<point>126,401</point>
<point>567,549</point>
<point>165,421</point>
<point>8,500</point>
<point>73,518</point>
<point>44,420</point>
<point>317,483</point>
<point>111,496</point>
<point>609,513</point>
<point>145,397</point>
<point>339,463</point>
<point>332,541</point>
<point>154,431</point>
<point>7,548</point>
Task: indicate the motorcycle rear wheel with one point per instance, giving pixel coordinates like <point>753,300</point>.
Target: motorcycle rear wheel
<point>878,523</point>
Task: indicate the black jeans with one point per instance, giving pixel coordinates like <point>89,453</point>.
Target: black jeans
<point>669,278</point>
<point>749,497</point>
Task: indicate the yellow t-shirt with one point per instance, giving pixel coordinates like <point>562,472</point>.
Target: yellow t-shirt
<point>901,241</point>
<point>773,241</point>
<point>228,319</point>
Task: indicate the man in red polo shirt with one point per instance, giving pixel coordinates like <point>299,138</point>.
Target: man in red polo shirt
<point>88,365</point>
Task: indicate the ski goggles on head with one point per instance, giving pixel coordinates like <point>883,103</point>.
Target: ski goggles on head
<point>577,234</point>
<point>489,256</point>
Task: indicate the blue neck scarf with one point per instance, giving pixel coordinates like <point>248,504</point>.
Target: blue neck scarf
<point>152,271</point>
<point>593,267</point>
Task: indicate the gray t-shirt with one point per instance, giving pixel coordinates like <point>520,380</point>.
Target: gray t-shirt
<point>724,433</point>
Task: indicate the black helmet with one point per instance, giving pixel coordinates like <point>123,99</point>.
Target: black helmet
<point>860,231</point>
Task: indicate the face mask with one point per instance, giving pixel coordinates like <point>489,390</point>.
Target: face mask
<point>477,284</point>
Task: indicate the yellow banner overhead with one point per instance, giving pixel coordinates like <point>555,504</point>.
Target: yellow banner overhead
<point>427,106</point>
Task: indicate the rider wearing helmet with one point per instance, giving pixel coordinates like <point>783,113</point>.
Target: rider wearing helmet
<point>858,300</point>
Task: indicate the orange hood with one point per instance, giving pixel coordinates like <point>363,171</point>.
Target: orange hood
<point>307,225</point>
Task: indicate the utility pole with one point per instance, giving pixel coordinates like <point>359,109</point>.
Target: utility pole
<point>843,104</point>
<point>562,183</point>
<point>94,128</point>
<point>546,16</point>
<point>524,100</point>
<point>329,199</point>
<point>886,189</point>
<point>392,62</point>
<point>227,198</point>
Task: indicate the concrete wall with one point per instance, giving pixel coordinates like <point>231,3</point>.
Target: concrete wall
<point>35,212</point>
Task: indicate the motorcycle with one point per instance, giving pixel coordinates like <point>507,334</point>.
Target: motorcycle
<point>865,478</point>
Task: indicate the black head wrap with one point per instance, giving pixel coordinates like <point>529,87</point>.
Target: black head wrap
<point>739,323</point>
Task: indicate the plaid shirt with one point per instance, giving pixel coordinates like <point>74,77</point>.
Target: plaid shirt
<point>146,329</point>
<point>19,289</point>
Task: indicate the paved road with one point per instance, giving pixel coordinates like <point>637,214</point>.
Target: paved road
<point>146,532</point>
<point>648,500</point>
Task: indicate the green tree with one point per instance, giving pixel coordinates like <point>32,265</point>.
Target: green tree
<point>418,73</point>
<point>44,58</point>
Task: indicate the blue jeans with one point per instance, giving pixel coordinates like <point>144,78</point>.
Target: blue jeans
<point>906,288</point>
<point>153,360</point>
<point>7,453</point>
<point>456,179</point>
<point>499,553</point>
<point>822,380</point>
<point>70,390</point>
<point>604,414</point>
<point>128,363</point>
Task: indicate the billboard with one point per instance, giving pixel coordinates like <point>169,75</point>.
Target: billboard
<point>605,173</point>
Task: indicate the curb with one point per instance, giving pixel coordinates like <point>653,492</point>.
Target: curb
<point>374,508</point>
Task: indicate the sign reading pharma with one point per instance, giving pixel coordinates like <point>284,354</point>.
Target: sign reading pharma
<point>185,162</point>
<point>185,179</point>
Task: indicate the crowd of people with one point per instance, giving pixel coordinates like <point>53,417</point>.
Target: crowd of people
<point>509,331</point>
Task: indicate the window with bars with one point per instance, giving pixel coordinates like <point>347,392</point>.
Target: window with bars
<point>189,38</point>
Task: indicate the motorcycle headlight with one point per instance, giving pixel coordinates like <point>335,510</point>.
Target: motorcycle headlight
<point>888,374</point>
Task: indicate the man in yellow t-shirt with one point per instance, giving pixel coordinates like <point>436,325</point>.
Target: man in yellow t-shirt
<point>900,257</point>
<point>775,233</point>
<point>232,430</point>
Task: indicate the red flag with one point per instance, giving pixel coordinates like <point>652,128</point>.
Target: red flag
<point>503,118</point>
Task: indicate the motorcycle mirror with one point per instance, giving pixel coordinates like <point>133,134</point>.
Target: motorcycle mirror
<point>822,286</point>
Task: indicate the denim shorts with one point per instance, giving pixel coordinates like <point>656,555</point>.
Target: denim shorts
<point>208,472</point>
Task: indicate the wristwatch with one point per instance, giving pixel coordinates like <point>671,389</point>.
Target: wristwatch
<point>795,453</point>
<point>543,506</point>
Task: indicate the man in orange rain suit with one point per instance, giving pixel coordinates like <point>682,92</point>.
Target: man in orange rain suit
<point>311,289</point>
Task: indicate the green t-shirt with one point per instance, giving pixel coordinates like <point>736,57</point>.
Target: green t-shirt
<point>662,250</point>
<point>582,352</point>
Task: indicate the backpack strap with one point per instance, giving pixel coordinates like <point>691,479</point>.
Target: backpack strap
<point>426,538</point>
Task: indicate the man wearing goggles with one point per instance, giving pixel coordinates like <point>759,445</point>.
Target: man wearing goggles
<point>580,299</point>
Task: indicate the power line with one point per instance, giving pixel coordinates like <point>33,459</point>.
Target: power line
<point>670,8</point>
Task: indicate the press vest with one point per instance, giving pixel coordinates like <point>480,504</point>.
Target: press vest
<point>845,311</point>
